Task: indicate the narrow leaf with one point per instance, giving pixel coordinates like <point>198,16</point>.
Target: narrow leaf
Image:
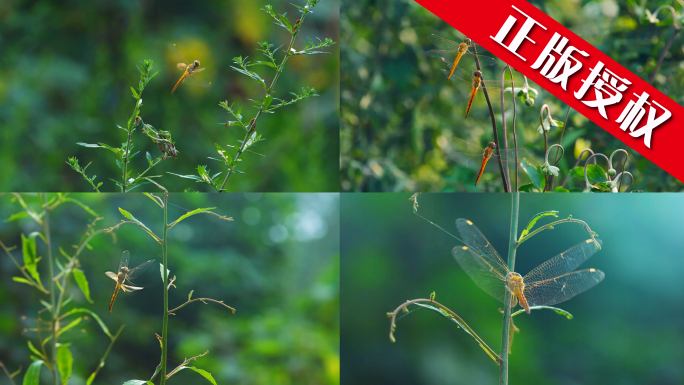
<point>32,376</point>
<point>64,362</point>
<point>535,219</point>
<point>95,316</point>
<point>82,282</point>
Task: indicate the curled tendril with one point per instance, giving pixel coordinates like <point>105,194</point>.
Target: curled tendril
<point>586,178</point>
<point>675,24</point>
<point>618,178</point>
<point>546,157</point>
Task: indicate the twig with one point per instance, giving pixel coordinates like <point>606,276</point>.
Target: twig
<point>200,299</point>
<point>7,372</point>
<point>453,315</point>
<point>506,185</point>
<point>185,362</point>
<point>104,357</point>
<point>551,226</point>
<point>676,28</point>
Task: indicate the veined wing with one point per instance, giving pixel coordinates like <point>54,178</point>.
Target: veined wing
<point>554,281</point>
<point>562,263</point>
<point>556,290</point>
<point>112,275</point>
<point>125,257</point>
<point>128,288</point>
<point>480,260</point>
<point>139,270</point>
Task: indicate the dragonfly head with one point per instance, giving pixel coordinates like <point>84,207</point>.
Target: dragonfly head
<point>196,63</point>
<point>491,145</point>
<point>467,41</point>
<point>477,74</point>
<point>514,282</point>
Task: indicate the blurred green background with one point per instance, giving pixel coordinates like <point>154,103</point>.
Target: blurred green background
<point>68,70</point>
<point>627,330</point>
<point>399,114</point>
<point>277,264</point>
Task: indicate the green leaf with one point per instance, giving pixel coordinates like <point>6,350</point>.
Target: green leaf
<point>536,218</point>
<point>22,280</point>
<point>89,145</point>
<point>95,316</point>
<point>91,378</point>
<point>28,248</point>
<point>64,362</point>
<point>190,294</point>
<point>137,382</point>
<point>149,158</point>
<point>577,172</point>
<point>527,188</point>
<point>34,350</point>
<point>595,173</point>
<point>203,373</point>
<point>119,152</point>
<point>189,214</point>
<point>555,309</point>
<point>82,282</point>
<point>560,189</point>
<point>193,177</point>
<point>267,101</point>
<point>537,178</point>
<point>16,216</point>
<point>286,22</point>
<point>135,94</point>
<point>32,376</point>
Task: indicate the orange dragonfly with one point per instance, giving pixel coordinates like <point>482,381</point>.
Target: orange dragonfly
<point>550,283</point>
<point>125,275</point>
<point>475,82</point>
<point>189,71</point>
<point>451,53</point>
<point>486,154</point>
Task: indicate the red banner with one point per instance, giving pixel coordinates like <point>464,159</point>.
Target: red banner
<point>577,73</point>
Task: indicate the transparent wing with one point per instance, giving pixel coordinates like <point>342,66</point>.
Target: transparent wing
<point>448,50</point>
<point>562,263</point>
<point>196,80</point>
<point>112,275</point>
<point>480,261</point>
<point>181,66</point>
<point>139,270</point>
<point>556,290</point>
<point>125,257</point>
<point>554,281</point>
<point>128,288</point>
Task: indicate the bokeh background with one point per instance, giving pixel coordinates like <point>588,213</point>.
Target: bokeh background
<point>277,264</point>
<point>626,330</point>
<point>399,114</point>
<point>68,70</point>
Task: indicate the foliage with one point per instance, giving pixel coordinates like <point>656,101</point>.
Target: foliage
<point>70,82</point>
<point>266,105</point>
<point>400,117</point>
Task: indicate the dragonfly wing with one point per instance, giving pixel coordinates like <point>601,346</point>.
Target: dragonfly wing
<point>559,289</point>
<point>125,257</point>
<point>562,263</point>
<point>112,275</point>
<point>128,288</point>
<point>480,261</point>
<point>181,66</point>
<point>442,42</point>
<point>139,270</point>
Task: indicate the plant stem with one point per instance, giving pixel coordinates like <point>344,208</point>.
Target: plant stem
<point>503,120</point>
<point>166,291</point>
<point>104,357</point>
<point>53,304</point>
<point>261,109</point>
<point>675,32</point>
<point>506,329</point>
<point>125,163</point>
<point>506,185</point>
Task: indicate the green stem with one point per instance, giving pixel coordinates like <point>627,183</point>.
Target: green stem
<point>53,303</point>
<point>166,291</point>
<point>512,246</point>
<point>551,226</point>
<point>125,163</point>
<point>261,109</point>
<point>104,357</point>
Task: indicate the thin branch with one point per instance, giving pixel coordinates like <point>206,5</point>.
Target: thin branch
<point>403,307</point>
<point>185,362</point>
<point>551,226</point>
<point>104,357</point>
<point>111,229</point>
<point>506,185</point>
<point>171,312</point>
<point>7,372</point>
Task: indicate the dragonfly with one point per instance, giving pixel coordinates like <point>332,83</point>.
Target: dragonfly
<point>550,283</point>
<point>124,276</point>
<point>452,53</point>
<point>190,71</point>
<point>475,82</point>
<point>486,154</point>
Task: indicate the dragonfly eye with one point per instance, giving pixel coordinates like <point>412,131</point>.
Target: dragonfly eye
<point>197,63</point>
